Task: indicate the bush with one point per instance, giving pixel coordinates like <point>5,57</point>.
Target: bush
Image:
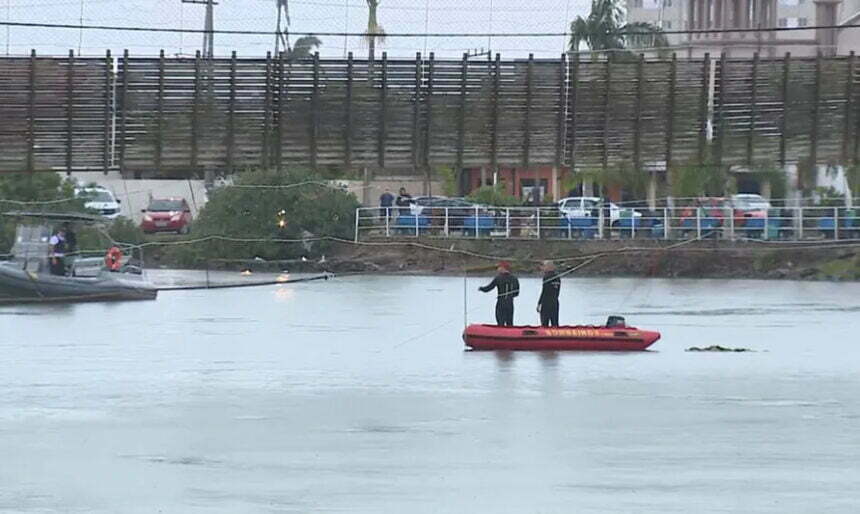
<point>258,213</point>
<point>494,196</point>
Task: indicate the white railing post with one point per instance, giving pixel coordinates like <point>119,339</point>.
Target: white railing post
<point>388,222</point>
<point>766,225</point>
<point>799,234</point>
<point>600,222</point>
<point>836,223</point>
<point>732,224</point>
<point>665,223</point>
<point>537,218</point>
<point>632,224</point>
<point>698,223</point>
<point>476,223</point>
<point>507,222</point>
<point>446,222</point>
<point>417,234</point>
<point>569,226</point>
<point>357,217</point>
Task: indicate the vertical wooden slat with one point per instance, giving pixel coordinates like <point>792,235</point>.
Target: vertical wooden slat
<point>268,113</point>
<point>428,116</point>
<point>106,139</point>
<point>159,142</point>
<point>315,118</point>
<point>383,113</point>
<point>670,109</point>
<point>703,106</point>
<point>461,118</point>
<point>195,114</point>
<point>527,119</point>
<point>849,111</point>
<point>783,122</point>
<point>231,117</point>
<point>559,129</point>
<point>31,115</point>
<point>574,79</point>
<point>281,110</point>
<point>494,116</point>
<point>637,115</point>
<point>70,109</point>
<point>123,113</point>
<point>347,134</point>
<point>816,108</point>
<point>416,114</point>
<point>753,110</point>
<point>606,101</point>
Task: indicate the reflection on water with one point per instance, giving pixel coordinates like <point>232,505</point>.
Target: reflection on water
<point>356,395</point>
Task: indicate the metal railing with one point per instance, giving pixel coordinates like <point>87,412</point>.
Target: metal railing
<point>787,224</point>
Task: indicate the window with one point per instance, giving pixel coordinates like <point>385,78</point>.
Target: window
<point>801,22</point>
<point>783,22</point>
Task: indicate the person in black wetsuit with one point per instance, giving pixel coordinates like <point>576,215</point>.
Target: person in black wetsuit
<point>548,302</point>
<point>508,288</point>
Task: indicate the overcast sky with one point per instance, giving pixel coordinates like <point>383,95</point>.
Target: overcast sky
<point>461,16</point>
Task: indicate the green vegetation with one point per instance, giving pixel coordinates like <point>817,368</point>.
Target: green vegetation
<point>289,212</point>
<point>605,29</point>
<point>494,195</point>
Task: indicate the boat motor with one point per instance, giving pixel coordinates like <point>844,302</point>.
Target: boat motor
<point>616,322</point>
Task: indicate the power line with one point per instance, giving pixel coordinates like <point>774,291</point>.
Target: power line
<point>413,34</point>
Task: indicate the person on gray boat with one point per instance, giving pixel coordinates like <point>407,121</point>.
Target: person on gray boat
<point>58,253</point>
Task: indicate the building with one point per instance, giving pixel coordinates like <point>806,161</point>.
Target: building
<point>747,14</point>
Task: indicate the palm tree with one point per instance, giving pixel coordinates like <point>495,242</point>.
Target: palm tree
<point>303,48</point>
<point>374,33</point>
<point>605,29</point>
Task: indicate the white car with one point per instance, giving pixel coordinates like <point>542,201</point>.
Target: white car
<point>100,200</point>
<point>587,206</point>
<point>750,203</point>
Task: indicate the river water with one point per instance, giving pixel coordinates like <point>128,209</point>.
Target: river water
<point>355,395</point>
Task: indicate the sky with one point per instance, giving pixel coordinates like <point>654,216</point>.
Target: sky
<point>417,16</point>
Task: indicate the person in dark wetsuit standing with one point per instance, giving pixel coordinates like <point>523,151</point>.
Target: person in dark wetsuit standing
<point>548,302</point>
<point>508,288</point>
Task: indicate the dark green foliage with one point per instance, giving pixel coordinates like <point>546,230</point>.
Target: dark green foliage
<point>258,213</point>
<point>494,195</point>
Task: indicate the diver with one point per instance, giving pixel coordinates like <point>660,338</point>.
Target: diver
<point>508,288</point>
<point>548,302</point>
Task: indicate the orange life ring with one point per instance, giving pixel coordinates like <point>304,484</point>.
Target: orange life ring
<point>113,259</point>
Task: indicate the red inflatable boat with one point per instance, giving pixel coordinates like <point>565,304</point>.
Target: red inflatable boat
<point>582,338</point>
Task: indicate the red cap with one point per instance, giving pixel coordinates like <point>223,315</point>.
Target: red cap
<point>505,265</point>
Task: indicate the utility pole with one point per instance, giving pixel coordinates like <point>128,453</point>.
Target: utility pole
<point>282,38</point>
<point>208,28</point>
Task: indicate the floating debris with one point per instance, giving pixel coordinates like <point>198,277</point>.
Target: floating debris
<point>717,348</point>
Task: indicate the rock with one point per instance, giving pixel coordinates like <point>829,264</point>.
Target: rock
<point>717,348</point>
<point>808,272</point>
<point>778,273</point>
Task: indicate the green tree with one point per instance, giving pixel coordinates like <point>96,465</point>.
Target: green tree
<point>303,48</point>
<point>605,29</point>
<point>494,196</point>
<point>299,203</point>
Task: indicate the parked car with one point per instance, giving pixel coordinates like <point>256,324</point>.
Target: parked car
<point>588,206</point>
<point>749,206</point>
<point>100,200</point>
<point>167,215</point>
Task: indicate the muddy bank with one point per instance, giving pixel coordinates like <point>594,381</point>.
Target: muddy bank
<point>702,259</point>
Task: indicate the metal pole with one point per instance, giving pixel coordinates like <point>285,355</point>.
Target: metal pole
<point>600,222</point>
<point>665,223</point>
<point>698,223</point>
<point>836,223</point>
<point>800,223</point>
<point>507,223</point>
<point>731,225</point>
<point>537,217</point>
<point>446,222</point>
<point>357,215</point>
<point>476,222</point>
<point>388,222</point>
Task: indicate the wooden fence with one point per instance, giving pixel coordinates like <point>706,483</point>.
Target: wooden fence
<point>183,115</point>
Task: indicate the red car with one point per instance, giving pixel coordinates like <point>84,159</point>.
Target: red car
<point>167,215</point>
